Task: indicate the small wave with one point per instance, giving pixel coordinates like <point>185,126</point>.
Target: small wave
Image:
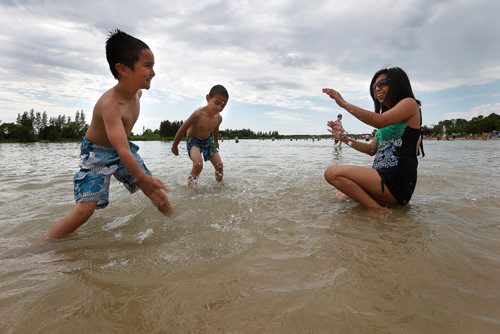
<point>118,222</point>
<point>114,264</point>
<point>143,235</point>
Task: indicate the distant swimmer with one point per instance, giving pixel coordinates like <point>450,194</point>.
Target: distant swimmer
<point>202,128</point>
<point>337,142</point>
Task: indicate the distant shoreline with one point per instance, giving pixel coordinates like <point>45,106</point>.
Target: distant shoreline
<point>282,137</point>
<point>461,138</point>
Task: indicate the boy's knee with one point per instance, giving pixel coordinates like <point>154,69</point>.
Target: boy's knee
<point>198,166</point>
<point>86,209</point>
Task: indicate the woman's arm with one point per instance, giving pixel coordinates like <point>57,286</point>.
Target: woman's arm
<point>340,134</point>
<point>367,148</point>
<point>406,110</point>
<point>403,111</point>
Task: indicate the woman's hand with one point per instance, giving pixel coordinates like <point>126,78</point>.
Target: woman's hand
<point>336,96</point>
<point>337,130</point>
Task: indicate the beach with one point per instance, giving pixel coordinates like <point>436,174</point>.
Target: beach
<point>271,250</point>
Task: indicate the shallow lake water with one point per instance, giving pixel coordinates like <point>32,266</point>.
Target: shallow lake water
<point>270,250</point>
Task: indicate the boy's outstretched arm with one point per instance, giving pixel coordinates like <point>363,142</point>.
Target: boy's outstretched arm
<point>181,132</point>
<point>152,187</point>
<point>216,132</point>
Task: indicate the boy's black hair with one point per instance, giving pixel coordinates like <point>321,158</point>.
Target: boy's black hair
<point>218,90</point>
<point>399,87</point>
<point>124,49</point>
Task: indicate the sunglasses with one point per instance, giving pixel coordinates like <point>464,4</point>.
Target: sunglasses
<point>380,84</point>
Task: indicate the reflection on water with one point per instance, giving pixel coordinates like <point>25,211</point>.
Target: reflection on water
<point>269,250</point>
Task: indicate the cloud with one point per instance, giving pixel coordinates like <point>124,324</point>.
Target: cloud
<point>271,55</point>
<point>481,110</point>
<point>292,118</point>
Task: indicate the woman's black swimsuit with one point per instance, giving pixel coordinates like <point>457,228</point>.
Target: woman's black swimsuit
<point>396,160</point>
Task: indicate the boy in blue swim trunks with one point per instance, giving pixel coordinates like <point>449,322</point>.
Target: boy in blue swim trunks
<point>202,128</point>
<point>105,149</point>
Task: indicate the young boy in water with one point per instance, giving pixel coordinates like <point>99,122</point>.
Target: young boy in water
<point>202,128</point>
<point>105,149</point>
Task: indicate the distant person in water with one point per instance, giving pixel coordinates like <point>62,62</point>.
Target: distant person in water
<point>105,150</point>
<point>398,118</point>
<point>339,122</point>
<point>202,129</point>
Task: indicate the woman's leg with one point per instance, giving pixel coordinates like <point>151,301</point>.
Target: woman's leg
<point>362,184</point>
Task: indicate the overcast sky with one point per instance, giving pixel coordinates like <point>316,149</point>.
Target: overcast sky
<point>273,56</point>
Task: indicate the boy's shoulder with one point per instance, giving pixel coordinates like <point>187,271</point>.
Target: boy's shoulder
<point>198,112</point>
<point>106,101</point>
<point>200,109</point>
<point>113,99</point>
<point>108,96</point>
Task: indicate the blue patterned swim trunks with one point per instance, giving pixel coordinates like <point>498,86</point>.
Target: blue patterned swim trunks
<point>206,146</point>
<point>97,164</point>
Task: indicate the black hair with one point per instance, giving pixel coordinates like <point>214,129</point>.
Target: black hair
<point>124,49</point>
<point>218,90</point>
<point>399,88</point>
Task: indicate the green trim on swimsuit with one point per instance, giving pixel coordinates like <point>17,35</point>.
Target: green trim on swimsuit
<point>394,131</point>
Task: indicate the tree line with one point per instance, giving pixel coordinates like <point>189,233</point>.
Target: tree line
<point>32,126</point>
<point>248,134</point>
<point>168,129</point>
<point>461,127</point>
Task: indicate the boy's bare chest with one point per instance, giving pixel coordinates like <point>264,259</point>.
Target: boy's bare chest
<point>209,121</point>
<point>129,114</point>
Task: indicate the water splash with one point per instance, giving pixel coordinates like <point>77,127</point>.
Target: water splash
<point>143,235</point>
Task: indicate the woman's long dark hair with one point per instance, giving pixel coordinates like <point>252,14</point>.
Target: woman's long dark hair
<point>399,88</point>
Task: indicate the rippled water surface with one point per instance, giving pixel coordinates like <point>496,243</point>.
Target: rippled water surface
<point>268,251</point>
